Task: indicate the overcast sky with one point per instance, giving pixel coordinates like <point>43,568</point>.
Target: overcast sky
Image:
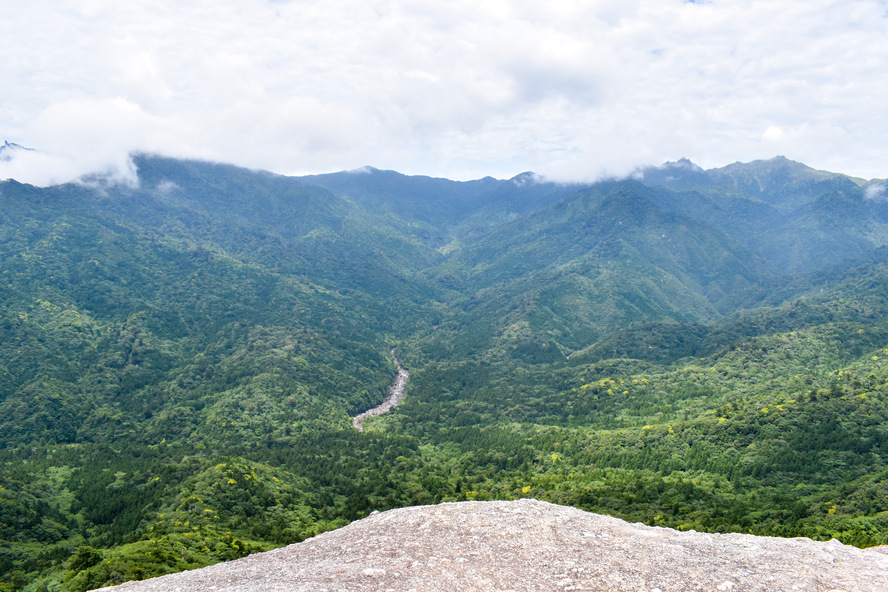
<point>461,89</point>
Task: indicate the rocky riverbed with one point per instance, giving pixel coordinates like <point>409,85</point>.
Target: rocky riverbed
<point>396,393</point>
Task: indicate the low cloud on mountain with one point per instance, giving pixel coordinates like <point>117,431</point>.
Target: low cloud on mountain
<point>575,91</point>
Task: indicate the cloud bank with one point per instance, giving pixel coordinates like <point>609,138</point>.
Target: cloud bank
<point>460,89</point>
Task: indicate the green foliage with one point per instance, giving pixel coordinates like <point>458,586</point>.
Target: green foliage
<point>179,362</point>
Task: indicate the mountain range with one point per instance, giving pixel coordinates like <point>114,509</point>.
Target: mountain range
<point>180,359</point>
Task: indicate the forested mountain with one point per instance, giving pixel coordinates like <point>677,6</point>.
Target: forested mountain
<point>441,212</point>
<point>180,360</point>
<point>797,218</point>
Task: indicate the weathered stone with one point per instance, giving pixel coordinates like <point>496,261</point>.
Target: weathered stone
<point>529,545</point>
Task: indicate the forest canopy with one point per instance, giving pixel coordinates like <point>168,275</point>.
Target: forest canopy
<point>180,360</point>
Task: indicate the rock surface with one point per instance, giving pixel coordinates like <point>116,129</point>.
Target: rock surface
<point>532,545</point>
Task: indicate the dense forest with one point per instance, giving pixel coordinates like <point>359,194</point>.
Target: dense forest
<point>180,360</point>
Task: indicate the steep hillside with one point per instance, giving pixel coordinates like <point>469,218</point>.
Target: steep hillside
<point>797,218</point>
<point>781,182</point>
<point>567,275</point>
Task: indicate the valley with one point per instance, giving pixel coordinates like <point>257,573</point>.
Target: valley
<point>183,363</point>
<point>396,394</point>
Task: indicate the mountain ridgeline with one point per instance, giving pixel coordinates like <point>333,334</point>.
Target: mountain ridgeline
<point>180,360</point>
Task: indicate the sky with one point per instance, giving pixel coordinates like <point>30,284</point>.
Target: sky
<point>573,90</point>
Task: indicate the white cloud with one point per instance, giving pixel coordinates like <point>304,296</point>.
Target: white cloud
<point>876,191</point>
<point>78,137</point>
<point>461,89</point>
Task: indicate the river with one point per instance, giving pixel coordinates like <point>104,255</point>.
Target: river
<point>396,393</point>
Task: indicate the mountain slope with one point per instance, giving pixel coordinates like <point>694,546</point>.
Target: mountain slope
<point>179,360</point>
<point>781,182</point>
<point>598,260</point>
<point>797,218</point>
<point>438,210</point>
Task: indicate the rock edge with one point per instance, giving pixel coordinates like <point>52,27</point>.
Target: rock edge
<point>530,545</point>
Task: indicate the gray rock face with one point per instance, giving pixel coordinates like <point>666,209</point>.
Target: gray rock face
<point>531,545</point>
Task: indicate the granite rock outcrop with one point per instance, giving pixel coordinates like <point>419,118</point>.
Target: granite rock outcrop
<point>530,545</point>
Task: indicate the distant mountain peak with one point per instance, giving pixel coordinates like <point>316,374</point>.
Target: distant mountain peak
<point>8,149</point>
<point>364,170</point>
<point>526,178</point>
<point>680,173</point>
<point>777,170</point>
<point>683,164</point>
